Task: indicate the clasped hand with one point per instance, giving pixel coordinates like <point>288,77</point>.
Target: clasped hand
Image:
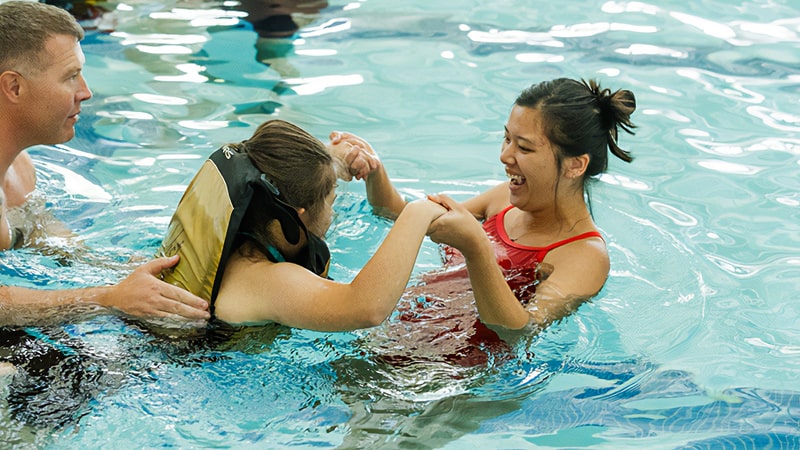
<point>356,158</point>
<point>457,227</point>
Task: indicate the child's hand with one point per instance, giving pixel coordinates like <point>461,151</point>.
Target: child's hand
<point>457,227</point>
<point>354,156</point>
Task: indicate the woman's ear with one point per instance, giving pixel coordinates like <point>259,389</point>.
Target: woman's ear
<point>575,166</point>
<point>301,213</point>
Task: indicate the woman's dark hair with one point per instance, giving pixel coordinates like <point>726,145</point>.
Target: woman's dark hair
<point>580,117</point>
<point>297,163</point>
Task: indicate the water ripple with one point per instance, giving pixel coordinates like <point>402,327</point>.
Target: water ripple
<point>698,315</point>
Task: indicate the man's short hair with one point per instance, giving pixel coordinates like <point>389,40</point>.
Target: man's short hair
<point>25,27</point>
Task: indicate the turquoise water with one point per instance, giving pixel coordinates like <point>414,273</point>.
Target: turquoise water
<point>693,342</point>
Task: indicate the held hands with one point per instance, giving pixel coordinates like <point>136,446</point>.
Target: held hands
<point>433,208</point>
<point>355,156</point>
<point>142,294</point>
<point>457,228</point>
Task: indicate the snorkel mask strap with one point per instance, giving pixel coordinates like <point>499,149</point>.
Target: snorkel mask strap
<point>317,258</point>
<point>243,180</point>
<point>282,211</point>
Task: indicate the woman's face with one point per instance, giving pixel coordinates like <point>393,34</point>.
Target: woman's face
<point>530,160</point>
<point>318,222</point>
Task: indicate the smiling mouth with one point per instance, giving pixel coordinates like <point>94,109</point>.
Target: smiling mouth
<point>516,180</point>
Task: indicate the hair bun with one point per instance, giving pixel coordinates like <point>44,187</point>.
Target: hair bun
<point>615,111</point>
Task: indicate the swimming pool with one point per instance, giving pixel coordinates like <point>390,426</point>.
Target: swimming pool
<point>693,342</point>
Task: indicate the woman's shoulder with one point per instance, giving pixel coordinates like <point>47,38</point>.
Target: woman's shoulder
<point>580,267</point>
<point>251,288</point>
<point>587,245</point>
<point>489,203</point>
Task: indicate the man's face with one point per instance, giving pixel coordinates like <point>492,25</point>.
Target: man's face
<point>53,94</point>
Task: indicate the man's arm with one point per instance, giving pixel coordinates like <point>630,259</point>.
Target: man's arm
<point>141,295</point>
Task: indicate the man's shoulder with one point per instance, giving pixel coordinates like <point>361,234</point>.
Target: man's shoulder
<point>20,180</point>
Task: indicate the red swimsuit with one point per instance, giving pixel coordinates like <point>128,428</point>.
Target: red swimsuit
<point>519,262</point>
<point>444,308</point>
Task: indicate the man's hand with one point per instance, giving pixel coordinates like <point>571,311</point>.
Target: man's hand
<point>142,294</point>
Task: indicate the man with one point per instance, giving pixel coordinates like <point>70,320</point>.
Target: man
<point>41,91</point>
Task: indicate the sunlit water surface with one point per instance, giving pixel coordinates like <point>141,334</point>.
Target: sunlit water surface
<point>693,342</point>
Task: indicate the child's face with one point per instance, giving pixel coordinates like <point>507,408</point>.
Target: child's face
<point>320,223</point>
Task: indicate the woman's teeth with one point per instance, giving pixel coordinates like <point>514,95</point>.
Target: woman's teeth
<point>516,179</point>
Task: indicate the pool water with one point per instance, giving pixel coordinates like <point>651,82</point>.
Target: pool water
<point>692,343</point>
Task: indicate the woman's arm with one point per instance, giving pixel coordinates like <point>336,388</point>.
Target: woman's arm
<point>140,295</point>
<point>579,270</point>
<point>259,292</point>
<point>358,160</point>
<point>496,302</point>
<point>555,298</point>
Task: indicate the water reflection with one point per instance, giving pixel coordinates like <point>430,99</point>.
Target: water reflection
<point>280,18</point>
<point>704,252</point>
<point>277,23</point>
<point>90,14</point>
<point>52,378</point>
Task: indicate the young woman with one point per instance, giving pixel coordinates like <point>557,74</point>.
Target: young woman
<point>249,229</point>
<point>537,255</point>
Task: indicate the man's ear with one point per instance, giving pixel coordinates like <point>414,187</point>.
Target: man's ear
<point>10,84</point>
<point>575,166</point>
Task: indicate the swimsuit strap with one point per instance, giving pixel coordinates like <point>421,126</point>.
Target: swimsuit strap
<point>501,228</point>
<point>566,241</point>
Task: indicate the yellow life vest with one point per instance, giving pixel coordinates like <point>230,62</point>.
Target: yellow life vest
<point>206,223</point>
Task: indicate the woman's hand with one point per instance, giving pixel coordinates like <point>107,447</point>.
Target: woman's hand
<point>433,208</point>
<point>355,157</point>
<point>457,228</point>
